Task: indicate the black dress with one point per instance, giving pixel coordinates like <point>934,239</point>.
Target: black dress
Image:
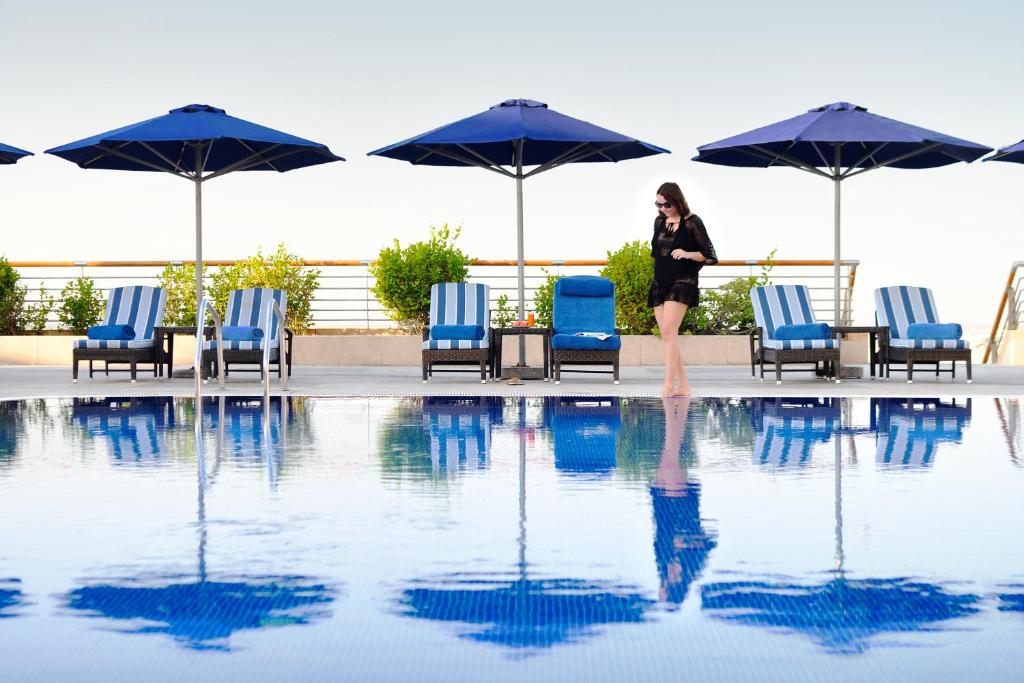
<point>676,280</point>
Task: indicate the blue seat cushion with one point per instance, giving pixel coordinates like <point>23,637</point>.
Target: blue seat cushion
<point>803,331</point>
<point>934,331</point>
<point>571,342</point>
<point>240,333</point>
<point>456,331</point>
<point>585,285</point>
<point>111,332</point>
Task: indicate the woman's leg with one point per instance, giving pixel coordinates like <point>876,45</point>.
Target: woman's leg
<point>671,318</point>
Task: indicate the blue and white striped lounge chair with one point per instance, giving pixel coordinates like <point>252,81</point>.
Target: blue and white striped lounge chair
<point>899,307</point>
<point>459,329</point>
<point>778,305</point>
<point>787,429</point>
<point>249,308</point>
<point>908,431</point>
<point>141,308</point>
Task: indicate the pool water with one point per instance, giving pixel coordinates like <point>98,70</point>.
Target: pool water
<point>471,539</point>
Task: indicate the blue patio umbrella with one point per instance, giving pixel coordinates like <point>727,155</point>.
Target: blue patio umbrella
<point>10,155</point>
<point>1014,153</point>
<point>511,136</point>
<point>196,142</point>
<point>838,141</point>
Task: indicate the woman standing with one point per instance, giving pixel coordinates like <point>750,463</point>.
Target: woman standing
<point>680,248</point>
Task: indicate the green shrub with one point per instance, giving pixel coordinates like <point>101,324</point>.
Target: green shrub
<point>35,315</point>
<point>544,300</point>
<point>279,270</point>
<point>12,299</point>
<point>504,315</point>
<point>727,310</point>
<point>81,305</point>
<point>631,268</point>
<point>179,281</point>
<point>404,275</point>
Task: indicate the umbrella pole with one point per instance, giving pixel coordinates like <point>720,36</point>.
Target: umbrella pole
<point>837,180</point>
<point>520,262</point>
<point>199,227</point>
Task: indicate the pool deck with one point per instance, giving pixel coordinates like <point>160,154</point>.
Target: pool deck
<point>52,382</point>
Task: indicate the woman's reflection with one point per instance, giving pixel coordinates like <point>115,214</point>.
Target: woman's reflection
<point>681,544</point>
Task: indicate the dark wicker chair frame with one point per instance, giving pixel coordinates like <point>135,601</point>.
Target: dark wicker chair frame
<point>459,360</point>
<point>248,357</point>
<point>591,357</point>
<point>908,358</point>
<point>131,357</point>
<point>822,361</point>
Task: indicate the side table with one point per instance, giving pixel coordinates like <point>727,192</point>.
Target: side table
<point>877,337</point>
<point>500,332</point>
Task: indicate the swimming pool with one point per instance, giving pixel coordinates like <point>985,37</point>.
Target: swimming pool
<point>468,539</point>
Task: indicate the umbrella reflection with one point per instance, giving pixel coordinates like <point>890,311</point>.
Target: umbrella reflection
<point>910,430</point>
<point>197,609</point>
<point>844,614</point>
<point>11,598</point>
<point>584,432</point>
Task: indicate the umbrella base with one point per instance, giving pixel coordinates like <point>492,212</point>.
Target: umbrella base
<point>846,372</point>
<point>522,372</point>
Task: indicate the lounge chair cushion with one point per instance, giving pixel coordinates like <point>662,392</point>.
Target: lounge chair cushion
<point>241,345</point>
<point>934,331</point>
<point>461,344</point>
<point>799,344</point>
<point>113,343</point>
<point>586,285</point>
<point>929,343</point>
<point>240,333</point>
<point>118,332</point>
<point>457,332</point>
<point>570,342</point>
<point>803,331</point>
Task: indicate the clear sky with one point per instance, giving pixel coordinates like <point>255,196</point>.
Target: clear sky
<point>360,75</point>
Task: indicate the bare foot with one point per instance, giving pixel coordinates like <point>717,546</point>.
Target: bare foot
<point>682,390</point>
<point>666,391</point>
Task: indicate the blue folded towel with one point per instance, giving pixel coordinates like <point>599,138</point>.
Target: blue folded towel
<point>240,333</point>
<point>456,332</point>
<point>111,332</point>
<point>934,331</point>
<point>804,331</point>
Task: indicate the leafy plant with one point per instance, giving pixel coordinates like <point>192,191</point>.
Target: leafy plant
<point>12,299</point>
<point>279,270</point>
<point>544,300</point>
<point>404,275</point>
<point>35,315</point>
<point>727,310</point>
<point>179,281</point>
<point>80,306</point>
<point>505,314</point>
<point>632,269</point>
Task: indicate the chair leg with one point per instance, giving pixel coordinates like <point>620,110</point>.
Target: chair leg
<point>483,371</point>
<point>557,362</point>
<point>969,378</point>
<point>778,372</point>
<point>133,369</point>
<point>615,371</point>
<point>425,371</point>
<point>910,369</point>
<point>74,370</point>
<point>90,369</point>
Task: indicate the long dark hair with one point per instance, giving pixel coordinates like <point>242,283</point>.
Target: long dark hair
<point>674,196</point>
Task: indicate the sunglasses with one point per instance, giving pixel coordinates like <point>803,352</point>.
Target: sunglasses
<point>664,205</point>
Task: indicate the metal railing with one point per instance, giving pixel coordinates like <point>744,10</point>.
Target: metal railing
<point>345,297</point>
<point>1008,315</point>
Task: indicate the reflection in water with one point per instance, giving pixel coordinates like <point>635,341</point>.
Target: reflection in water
<point>11,598</point>
<point>203,614</point>
<point>17,420</point>
<point>909,430</point>
<point>1008,411</point>
<point>788,428</point>
<point>520,612</point>
<point>584,432</point>
<point>195,609</point>
<point>842,615</point>
<point>681,544</point>
<point>434,438</point>
<point>1013,600</point>
<point>134,428</point>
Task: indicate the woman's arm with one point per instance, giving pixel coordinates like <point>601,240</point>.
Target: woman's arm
<point>706,253</point>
